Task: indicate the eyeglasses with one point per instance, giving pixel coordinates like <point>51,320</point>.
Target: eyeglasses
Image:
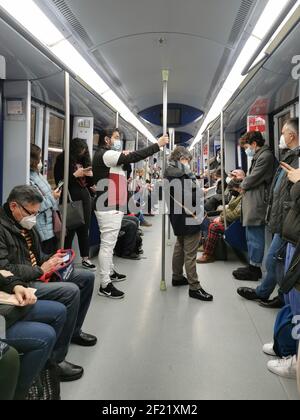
<point>27,211</point>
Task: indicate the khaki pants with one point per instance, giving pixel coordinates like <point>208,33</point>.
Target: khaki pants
<point>185,253</point>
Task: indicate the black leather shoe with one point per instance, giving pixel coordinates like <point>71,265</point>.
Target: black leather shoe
<point>69,372</point>
<point>132,256</point>
<point>249,294</point>
<point>272,304</point>
<point>85,340</point>
<point>201,295</point>
<point>249,273</point>
<point>181,282</point>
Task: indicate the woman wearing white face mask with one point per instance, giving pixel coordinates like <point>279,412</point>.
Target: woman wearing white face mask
<point>44,220</point>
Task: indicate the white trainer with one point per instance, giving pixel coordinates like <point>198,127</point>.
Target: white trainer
<point>286,368</point>
<point>268,349</point>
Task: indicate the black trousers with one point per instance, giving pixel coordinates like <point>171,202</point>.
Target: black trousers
<point>127,243</point>
<point>82,232</point>
<point>9,373</point>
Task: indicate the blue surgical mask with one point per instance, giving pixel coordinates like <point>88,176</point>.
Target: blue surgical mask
<point>117,146</point>
<point>250,152</point>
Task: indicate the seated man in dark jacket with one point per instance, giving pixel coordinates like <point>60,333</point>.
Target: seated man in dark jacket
<point>31,328</point>
<point>20,253</point>
<point>183,191</point>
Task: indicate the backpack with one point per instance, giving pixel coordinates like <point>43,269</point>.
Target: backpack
<point>284,344</point>
<point>221,252</point>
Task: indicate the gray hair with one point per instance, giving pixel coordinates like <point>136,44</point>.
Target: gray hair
<point>24,194</point>
<point>179,153</point>
<point>293,125</point>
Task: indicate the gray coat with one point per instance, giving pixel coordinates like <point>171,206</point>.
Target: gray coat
<point>257,187</point>
<point>280,197</point>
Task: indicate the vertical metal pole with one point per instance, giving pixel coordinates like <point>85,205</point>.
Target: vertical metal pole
<point>209,157</point>
<point>172,147</point>
<point>222,165</point>
<point>137,145</point>
<point>165,76</point>
<point>117,120</point>
<point>67,160</point>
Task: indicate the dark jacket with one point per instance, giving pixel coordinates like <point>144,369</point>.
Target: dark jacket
<point>280,199</point>
<point>14,253</point>
<point>10,313</point>
<point>181,223</point>
<point>291,225</point>
<point>257,186</point>
<point>108,165</point>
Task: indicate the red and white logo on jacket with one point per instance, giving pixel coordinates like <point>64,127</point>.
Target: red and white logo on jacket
<point>117,187</point>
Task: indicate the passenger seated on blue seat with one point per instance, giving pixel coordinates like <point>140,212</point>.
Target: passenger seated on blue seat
<point>254,203</point>
<point>188,234</point>
<point>20,253</point>
<point>217,227</point>
<point>278,207</point>
<point>291,233</point>
<point>32,329</point>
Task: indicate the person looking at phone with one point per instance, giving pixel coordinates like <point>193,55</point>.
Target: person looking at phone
<point>21,254</point>
<point>278,207</point>
<point>81,187</point>
<point>45,224</point>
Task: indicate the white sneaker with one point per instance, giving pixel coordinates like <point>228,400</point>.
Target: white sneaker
<point>268,349</point>
<point>286,368</point>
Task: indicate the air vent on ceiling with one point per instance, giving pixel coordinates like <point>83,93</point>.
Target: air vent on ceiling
<point>72,20</point>
<point>240,21</point>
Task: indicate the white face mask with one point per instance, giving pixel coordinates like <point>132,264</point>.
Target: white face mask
<point>283,145</point>
<point>219,159</point>
<point>40,166</point>
<point>250,152</point>
<point>228,180</point>
<point>117,146</point>
<point>28,222</point>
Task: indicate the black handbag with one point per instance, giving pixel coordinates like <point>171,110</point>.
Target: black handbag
<point>292,276</point>
<point>47,386</point>
<point>75,214</point>
<point>221,253</point>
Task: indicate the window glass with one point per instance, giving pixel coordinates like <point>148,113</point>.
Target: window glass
<point>56,132</point>
<point>33,124</point>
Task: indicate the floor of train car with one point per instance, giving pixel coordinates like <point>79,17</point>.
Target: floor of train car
<point>155,345</point>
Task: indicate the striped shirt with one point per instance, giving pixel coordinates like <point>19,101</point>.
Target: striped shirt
<point>26,234</point>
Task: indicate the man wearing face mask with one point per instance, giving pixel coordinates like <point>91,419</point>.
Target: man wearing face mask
<point>184,192</point>
<point>20,254</point>
<point>278,208</point>
<point>111,181</point>
<point>256,188</point>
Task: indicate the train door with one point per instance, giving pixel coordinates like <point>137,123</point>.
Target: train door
<point>1,141</point>
<point>53,142</point>
<point>37,124</point>
<point>279,120</point>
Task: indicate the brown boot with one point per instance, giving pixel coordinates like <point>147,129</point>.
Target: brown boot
<point>146,224</point>
<point>205,259</point>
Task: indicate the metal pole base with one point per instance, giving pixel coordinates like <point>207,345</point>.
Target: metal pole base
<point>163,286</point>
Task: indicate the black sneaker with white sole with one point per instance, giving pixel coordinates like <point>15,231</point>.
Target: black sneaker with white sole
<point>116,277</point>
<point>87,265</point>
<point>111,292</point>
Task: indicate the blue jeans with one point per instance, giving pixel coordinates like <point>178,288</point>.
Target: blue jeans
<point>269,283</point>
<point>76,295</point>
<point>256,244</point>
<point>34,338</point>
<point>293,298</point>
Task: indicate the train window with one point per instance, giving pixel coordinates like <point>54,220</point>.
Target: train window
<point>56,132</point>
<point>33,124</point>
<point>56,141</point>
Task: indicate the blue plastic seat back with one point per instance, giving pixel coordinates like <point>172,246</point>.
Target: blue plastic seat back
<point>235,236</point>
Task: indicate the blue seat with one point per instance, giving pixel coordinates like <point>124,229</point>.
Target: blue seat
<point>235,236</point>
